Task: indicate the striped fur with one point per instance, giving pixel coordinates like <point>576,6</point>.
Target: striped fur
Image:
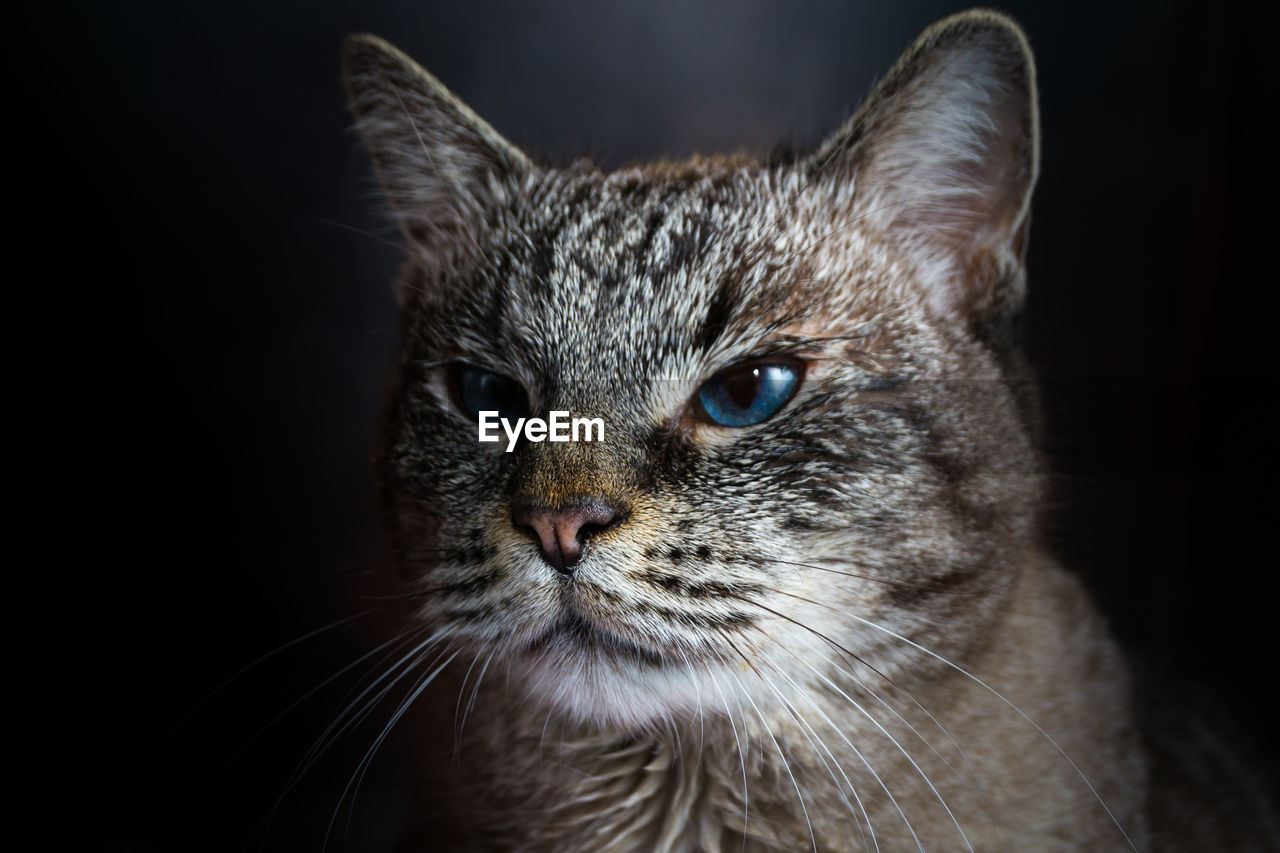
<point>833,629</point>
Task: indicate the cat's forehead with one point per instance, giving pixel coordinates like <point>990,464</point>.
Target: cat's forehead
<point>638,230</point>
<point>666,262</point>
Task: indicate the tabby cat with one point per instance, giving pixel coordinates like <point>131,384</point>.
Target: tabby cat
<point>795,598</point>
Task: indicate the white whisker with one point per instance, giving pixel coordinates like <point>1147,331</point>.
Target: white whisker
<point>896,744</point>
<point>813,841</point>
<point>1020,712</point>
<point>803,725</point>
<point>353,786</point>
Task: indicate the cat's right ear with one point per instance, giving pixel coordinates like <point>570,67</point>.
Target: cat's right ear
<point>443,169</point>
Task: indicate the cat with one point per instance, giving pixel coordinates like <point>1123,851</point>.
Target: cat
<point>795,598</point>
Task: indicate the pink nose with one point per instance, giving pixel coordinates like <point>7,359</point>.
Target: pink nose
<point>561,533</point>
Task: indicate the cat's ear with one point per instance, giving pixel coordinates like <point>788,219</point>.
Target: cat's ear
<point>944,155</point>
<point>442,167</point>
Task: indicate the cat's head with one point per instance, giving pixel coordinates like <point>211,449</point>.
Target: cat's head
<point>810,435</point>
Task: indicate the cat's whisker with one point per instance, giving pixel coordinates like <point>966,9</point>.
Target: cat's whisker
<point>254,664</point>
<point>381,562</point>
<point>363,232</point>
<point>543,739</point>
<point>886,581</point>
<point>399,596</point>
<point>811,734</point>
<point>342,723</point>
<point>835,664</point>
<point>395,280</point>
<point>845,651</point>
<point>354,713</point>
<point>1075,767</point>
<point>672,733</point>
<point>249,667</point>
<point>737,740</point>
<point>803,724</point>
<point>396,640</point>
<point>813,841</point>
<point>400,643</point>
<point>905,753</point>
<point>422,592</point>
<point>690,670</point>
<point>475,692</point>
<point>462,691</point>
<point>850,744</point>
<point>849,655</point>
<point>353,786</point>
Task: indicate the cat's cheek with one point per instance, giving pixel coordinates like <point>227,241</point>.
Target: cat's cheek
<point>711,438</point>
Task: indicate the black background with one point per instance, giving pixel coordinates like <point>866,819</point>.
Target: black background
<point>215,317</point>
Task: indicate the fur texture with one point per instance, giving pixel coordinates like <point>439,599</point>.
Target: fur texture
<point>834,628</point>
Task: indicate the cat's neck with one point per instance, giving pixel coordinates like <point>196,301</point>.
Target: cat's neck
<point>840,756</point>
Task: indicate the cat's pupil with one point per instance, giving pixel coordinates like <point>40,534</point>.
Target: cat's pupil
<point>743,386</point>
<point>484,391</point>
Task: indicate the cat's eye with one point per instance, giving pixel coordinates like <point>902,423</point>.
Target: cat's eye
<point>477,390</point>
<point>749,393</point>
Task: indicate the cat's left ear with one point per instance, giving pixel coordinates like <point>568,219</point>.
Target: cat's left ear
<point>943,157</point>
<point>443,169</point>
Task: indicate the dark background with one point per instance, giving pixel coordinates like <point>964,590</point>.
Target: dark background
<point>217,316</point>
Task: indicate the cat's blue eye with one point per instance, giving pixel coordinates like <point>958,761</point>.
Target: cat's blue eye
<point>484,391</point>
<point>749,394</point>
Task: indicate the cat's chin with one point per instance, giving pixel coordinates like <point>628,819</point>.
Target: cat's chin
<point>619,694</point>
<point>598,679</point>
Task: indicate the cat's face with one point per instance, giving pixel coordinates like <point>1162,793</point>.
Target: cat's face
<point>808,433</point>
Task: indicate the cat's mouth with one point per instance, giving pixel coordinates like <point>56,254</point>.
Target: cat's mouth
<point>575,633</point>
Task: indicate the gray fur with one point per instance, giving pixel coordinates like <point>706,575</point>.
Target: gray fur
<point>834,628</point>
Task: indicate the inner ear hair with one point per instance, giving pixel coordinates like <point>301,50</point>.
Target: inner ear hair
<point>943,158</point>
<point>442,168</point>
